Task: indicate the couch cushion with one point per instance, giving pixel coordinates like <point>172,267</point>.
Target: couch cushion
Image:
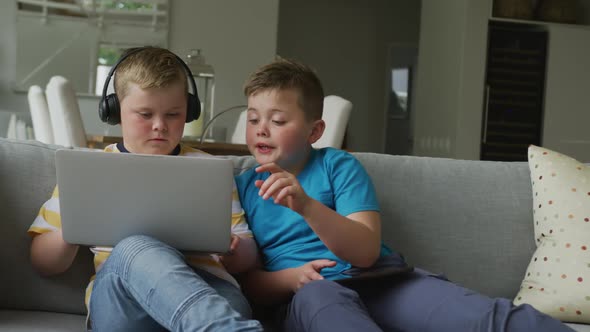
<point>579,327</point>
<point>27,174</point>
<point>558,276</point>
<point>32,321</point>
<point>470,220</point>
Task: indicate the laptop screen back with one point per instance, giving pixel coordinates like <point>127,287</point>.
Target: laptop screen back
<point>185,202</point>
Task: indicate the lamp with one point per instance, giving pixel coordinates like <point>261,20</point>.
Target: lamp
<point>204,76</point>
<point>208,124</point>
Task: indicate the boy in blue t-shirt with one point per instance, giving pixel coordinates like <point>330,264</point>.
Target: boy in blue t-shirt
<point>143,284</point>
<point>315,216</point>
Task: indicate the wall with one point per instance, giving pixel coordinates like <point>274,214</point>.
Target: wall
<point>345,41</point>
<point>8,100</point>
<point>234,39</point>
<point>450,78</point>
<point>567,102</point>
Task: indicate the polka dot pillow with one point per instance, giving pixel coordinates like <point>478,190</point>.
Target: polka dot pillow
<point>557,280</point>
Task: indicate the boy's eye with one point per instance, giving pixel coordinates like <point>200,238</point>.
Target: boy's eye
<point>253,121</point>
<point>279,122</point>
<point>173,115</point>
<point>145,115</point>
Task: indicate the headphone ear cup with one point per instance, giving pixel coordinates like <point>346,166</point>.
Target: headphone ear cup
<point>103,109</point>
<point>109,110</point>
<point>193,106</point>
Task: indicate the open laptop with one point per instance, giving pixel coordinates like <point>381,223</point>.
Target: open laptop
<point>185,202</point>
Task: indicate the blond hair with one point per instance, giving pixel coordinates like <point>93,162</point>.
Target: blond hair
<point>149,67</point>
<point>285,74</point>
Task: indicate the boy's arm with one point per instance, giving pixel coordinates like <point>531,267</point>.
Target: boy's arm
<point>270,288</point>
<point>50,254</point>
<point>355,238</point>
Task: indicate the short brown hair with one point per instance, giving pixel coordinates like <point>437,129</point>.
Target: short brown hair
<point>284,74</point>
<point>149,67</point>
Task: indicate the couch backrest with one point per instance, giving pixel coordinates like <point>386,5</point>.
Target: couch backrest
<point>27,178</point>
<point>471,220</point>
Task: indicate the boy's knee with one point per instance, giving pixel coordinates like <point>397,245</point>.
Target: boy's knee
<point>320,293</point>
<point>133,247</point>
<point>320,300</point>
<point>134,244</point>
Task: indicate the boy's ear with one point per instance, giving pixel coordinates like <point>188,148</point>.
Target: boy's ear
<point>317,131</point>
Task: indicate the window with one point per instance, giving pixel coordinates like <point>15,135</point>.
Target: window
<point>81,39</point>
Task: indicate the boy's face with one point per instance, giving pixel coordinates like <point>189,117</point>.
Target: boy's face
<point>152,120</point>
<point>277,130</point>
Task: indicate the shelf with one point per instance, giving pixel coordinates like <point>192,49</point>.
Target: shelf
<point>503,156</point>
<point>506,145</point>
<point>515,51</point>
<point>517,62</point>
<point>514,82</point>
<point>527,73</point>
<point>510,135</point>
<point>513,124</point>
<point>502,92</point>
<point>514,103</point>
<point>584,26</point>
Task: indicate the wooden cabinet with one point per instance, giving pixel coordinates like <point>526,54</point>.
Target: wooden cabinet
<point>514,90</point>
<point>454,75</point>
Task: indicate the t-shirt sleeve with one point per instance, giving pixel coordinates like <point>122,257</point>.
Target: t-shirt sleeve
<point>48,219</point>
<point>352,186</point>
<point>239,226</point>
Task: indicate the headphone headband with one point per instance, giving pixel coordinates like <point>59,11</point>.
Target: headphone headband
<point>109,109</point>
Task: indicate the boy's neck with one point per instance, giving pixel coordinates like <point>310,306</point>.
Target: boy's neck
<point>296,170</point>
<point>121,147</point>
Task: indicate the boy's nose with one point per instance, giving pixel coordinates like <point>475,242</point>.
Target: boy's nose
<point>159,124</point>
<point>262,131</point>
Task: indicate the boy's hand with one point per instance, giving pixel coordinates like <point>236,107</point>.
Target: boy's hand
<point>241,255</point>
<point>283,187</point>
<point>311,271</point>
<point>228,260</point>
<point>235,241</point>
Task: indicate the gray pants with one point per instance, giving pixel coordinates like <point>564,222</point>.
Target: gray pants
<point>417,301</point>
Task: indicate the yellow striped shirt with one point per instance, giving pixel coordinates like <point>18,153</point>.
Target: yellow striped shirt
<point>49,220</point>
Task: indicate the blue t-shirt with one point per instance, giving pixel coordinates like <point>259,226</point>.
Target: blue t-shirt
<point>333,177</point>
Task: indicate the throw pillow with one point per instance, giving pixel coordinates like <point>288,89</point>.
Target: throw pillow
<point>557,280</point>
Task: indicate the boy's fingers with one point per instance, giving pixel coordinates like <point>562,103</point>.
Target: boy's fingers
<point>283,194</point>
<point>234,242</point>
<point>315,276</point>
<point>270,185</point>
<point>274,188</point>
<point>270,167</point>
<point>319,264</point>
<point>328,262</point>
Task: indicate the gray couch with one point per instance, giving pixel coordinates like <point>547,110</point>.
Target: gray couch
<point>471,220</point>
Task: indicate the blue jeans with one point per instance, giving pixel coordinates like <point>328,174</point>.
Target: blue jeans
<point>146,285</point>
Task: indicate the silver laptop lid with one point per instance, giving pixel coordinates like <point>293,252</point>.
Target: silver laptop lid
<point>185,202</point>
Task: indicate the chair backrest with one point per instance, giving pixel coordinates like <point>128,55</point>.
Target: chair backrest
<point>239,134</point>
<point>68,128</point>
<point>40,115</point>
<point>336,114</point>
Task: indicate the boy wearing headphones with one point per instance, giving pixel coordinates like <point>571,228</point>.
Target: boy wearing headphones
<point>143,284</point>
